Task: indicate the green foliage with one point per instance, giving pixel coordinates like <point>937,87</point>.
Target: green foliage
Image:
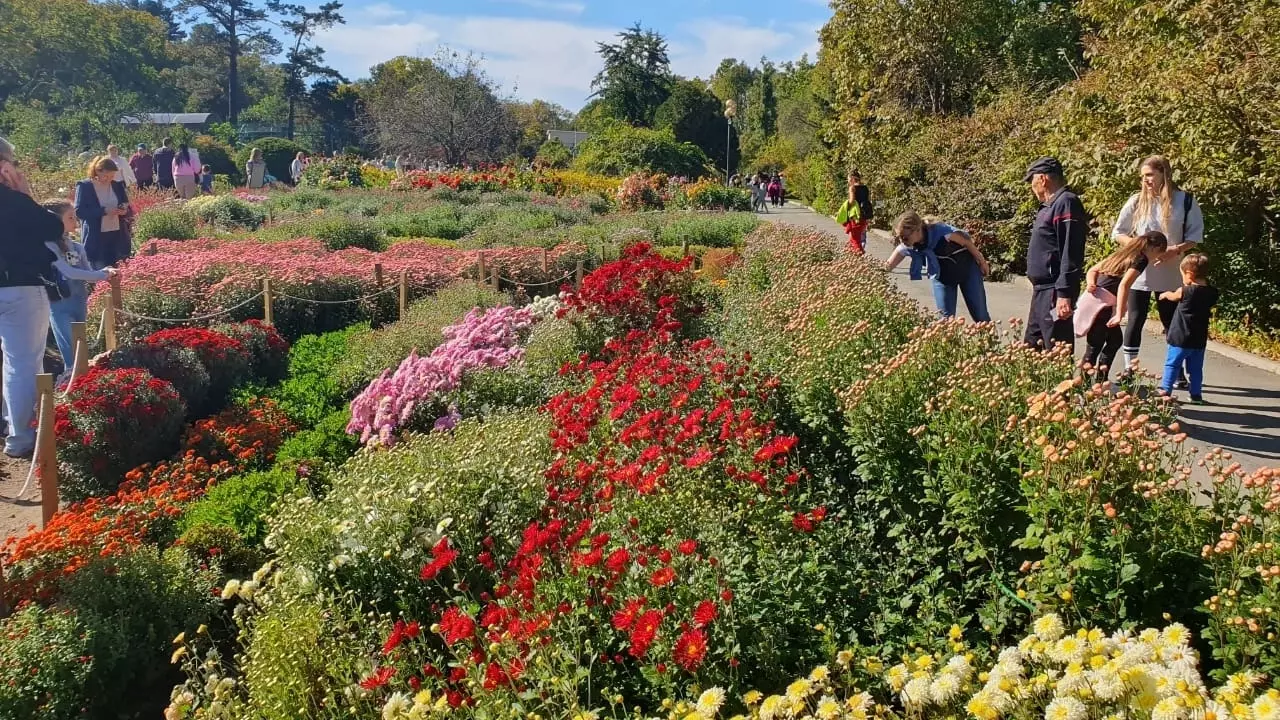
<point>227,212</point>
<point>721,231</point>
<point>440,221</point>
<point>310,394</point>
<point>636,77</point>
<point>221,546</point>
<point>217,155</point>
<point>553,154</point>
<point>317,452</point>
<point>302,201</point>
<point>369,352</point>
<point>241,503</point>
<point>621,150</point>
<point>45,665</point>
<point>165,223</point>
<point>693,114</point>
<point>277,152</point>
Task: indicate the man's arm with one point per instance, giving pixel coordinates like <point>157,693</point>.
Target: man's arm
<point>1068,226</point>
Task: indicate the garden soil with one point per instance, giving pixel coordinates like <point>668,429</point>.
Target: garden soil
<point>1244,414</point>
<point>17,515</point>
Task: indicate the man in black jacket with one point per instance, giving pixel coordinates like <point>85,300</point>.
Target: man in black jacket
<point>1055,257</point>
<point>25,262</point>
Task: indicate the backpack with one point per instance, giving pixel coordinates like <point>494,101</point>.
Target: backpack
<point>955,262</point>
<point>1187,202</point>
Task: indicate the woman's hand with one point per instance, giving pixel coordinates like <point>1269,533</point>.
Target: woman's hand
<point>984,267</point>
<point>1091,286</point>
<point>111,272</point>
<point>1116,320</point>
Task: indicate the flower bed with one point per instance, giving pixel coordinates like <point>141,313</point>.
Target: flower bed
<point>199,277</point>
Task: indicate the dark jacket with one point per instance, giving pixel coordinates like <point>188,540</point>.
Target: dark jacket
<point>25,227</point>
<point>163,160</point>
<point>1055,257</point>
<point>91,212</point>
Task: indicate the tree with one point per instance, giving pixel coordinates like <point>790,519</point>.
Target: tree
<point>203,67</point>
<point>621,150</point>
<point>762,109</point>
<point>160,10</point>
<point>237,22</point>
<point>305,61</point>
<point>447,108</point>
<point>337,107</point>
<point>636,77</point>
<point>553,154</point>
<point>534,119</point>
<point>694,114</point>
<point>732,81</point>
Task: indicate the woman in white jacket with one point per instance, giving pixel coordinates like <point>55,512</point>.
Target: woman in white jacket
<point>126,172</point>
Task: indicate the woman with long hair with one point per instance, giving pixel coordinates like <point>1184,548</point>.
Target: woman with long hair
<point>186,171</point>
<point>855,214</point>
<point>102,204</point>
<point>1161,206</point>
<point>1108,283</point>
<point>256,170</point>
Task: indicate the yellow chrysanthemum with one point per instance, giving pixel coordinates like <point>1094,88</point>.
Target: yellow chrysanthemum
<point>799,690</point>
<point>981,706</point>
<point>752,697</point>
<point>1048,627</point>
<point>772,707</point>
<point>709,701</point>
<point>828,708</point>
<point>844,657</point>
<point>1267,706</point>
<point>820,674</point>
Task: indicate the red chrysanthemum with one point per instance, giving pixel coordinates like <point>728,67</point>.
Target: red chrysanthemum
<point>379,677</point>
<point>690,649</point>
<point>626,617</point>
<point>663,577</point>
<point>704,614</point>
<point>456,625</point>
<point>644,632</point>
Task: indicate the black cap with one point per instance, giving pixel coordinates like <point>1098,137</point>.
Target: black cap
<point>1043,166</point>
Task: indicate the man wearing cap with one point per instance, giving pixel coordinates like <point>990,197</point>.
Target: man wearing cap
<point>1055,257</point>
<point>144,168</point>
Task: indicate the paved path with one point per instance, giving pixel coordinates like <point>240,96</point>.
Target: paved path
<point>1244,415</point>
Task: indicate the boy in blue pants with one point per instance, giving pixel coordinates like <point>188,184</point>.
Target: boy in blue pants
<point>1189,330</point>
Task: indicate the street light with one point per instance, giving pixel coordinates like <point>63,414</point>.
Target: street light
<point>730,112</point>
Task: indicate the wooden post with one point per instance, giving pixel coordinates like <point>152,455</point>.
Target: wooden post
<point>684,249</point>
<point>577,277</point>
<point>493,278</point>
<point>481,275</point>
<point>47,449</point>
<point>109,316</point>
<point>80,345</point>
<point>377,275</point>
<point>404,292</point>
<point>268,308</point>
<point>151,248</point>
<point>544,261</point>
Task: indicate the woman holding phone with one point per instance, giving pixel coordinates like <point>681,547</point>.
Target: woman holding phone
<point>102,204</point>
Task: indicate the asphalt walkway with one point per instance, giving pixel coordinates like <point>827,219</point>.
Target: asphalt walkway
<point>1244,411</point>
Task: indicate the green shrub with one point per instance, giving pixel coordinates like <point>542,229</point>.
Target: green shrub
<point>242,503</point>
<point>338,233</point>
<point>369,352</point>
<point>311,391</point>
<point>179,366</point>
<point>277,152</point>
<point>553,154</point>
<point>164,223</point>
<point>45,665</point>
<point>302,201</point>
<point>620,150</point>
<point>221,546</point>
<point>441,221</point>
<point>721,231</point>
<point>319,451</point>
<point>227,212</point>
<point>217,155</point>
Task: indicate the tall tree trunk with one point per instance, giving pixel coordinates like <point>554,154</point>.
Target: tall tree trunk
<point>289,132</point>
<point>233,74</point>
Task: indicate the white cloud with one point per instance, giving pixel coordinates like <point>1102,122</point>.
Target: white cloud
<point>550,59</point>
<point>575,8</point>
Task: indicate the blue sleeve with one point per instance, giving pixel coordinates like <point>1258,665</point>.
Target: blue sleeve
<point>87,205</point>
<point>938,233</point>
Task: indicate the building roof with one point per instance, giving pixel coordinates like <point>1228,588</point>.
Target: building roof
<point>166,119</point>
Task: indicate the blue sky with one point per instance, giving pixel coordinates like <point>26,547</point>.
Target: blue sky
<point>546,48</point>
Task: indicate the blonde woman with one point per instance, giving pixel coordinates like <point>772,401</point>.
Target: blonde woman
<point>126,172</point>
<point>256,170</point>
<point>949,257</point>
<point>1159,205</point>
<point>102,205</point>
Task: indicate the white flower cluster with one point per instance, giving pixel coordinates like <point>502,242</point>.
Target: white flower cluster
<point>545,307</point>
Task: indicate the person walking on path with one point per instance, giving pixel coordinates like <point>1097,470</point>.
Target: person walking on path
<point>949,258</point>
<point>126,172</point>
<point>1055,256</point>
<point>164,164</point>
<point>186,171</point>
<point>143,167</point>
<point>69,294</point>
<point>1101,307</point>
<point>855,214</point>
<point>1188,333</point>
<point>1161,206</point>
<point>256,170</point>
<point>102,204</point>
<point>25,227</point>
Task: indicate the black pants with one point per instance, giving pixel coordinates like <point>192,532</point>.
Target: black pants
<point>1044,328</point>
<point>1102,344</point>
<point>1136,316</point>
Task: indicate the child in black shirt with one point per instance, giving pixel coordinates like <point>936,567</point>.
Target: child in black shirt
<point>1115,275</point>
<point>1189,330</point>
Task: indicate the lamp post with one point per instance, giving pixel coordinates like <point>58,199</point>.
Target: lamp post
<point>730,112</point>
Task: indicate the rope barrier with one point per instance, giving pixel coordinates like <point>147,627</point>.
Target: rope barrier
<point>196,318</point>
<point>561,279</point>
<point>35,455</point>
<point>384,291</point>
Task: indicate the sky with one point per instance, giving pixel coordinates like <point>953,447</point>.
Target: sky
<point>547,48</point>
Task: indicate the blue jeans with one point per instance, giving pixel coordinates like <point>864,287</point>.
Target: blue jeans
<point>975,296</point>
<point>24,327</point>
<point>63,313</point>
<point>1193,360</point>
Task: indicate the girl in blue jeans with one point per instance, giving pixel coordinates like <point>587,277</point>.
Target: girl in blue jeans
<point>948,256</point>
<point>69,300</point>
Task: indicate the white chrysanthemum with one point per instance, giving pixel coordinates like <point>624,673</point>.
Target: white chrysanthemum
<point>897,676</point>
<point>1176,635</point>
<point>1169,709</point>
<point>1069,649</point>
<point>828,708</point>
<point>1214,710</point>
<point>916,693</point>
<point>1106,684</point>
<point>1267,706</point>
<point>1136,654</point>
<point>1066,708</point>
<point>986,704</point>
<point>1150,636</point>
<point>709,702</point>
<point>960,666</point>
<point>231,589</point>
<point>397,706</point>
<point>1010,655</point>
<point>944,688</point>
<point>1073,679</point>
<point>1006,670</point>
<point>861,701</point>
<point>772,707</point>
<point>1049,627</point>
